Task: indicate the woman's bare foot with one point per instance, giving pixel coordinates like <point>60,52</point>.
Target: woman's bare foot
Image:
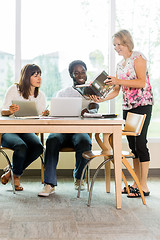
<point>5,177</point>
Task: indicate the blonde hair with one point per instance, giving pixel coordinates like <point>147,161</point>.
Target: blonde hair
<point>125,38</point>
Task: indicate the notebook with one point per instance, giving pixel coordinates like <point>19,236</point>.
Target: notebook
<point>66,106</point>
<point>100,115</point>
<point>26,109</point>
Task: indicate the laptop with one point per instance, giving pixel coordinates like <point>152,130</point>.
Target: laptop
<point>66,106</point>
<point>26,109</point>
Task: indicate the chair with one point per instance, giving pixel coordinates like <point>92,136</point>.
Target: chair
<point>3,151</point>
<point>64,149</point>
<point>42,157</point>
<point>133,127</point>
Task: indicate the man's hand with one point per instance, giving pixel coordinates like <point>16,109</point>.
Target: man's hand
<point>85,110</point>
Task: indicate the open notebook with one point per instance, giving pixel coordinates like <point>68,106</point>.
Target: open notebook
<point>96,87</point>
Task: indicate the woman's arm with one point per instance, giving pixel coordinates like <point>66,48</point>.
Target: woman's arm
<point>6,112</point>
<point>114,93</point>
<point>140,69</point>
<point>12,109</point>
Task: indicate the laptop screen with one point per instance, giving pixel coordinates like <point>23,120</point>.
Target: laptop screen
<point>26,108</point>
<point>66,106</point>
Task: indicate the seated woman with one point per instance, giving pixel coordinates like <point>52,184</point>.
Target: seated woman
<point>26,146</point>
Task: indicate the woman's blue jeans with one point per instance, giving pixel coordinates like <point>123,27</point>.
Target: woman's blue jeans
<point>81,142</point>
<point>26,146</point>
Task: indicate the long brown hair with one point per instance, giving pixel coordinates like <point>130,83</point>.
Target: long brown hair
<point>24,82</point>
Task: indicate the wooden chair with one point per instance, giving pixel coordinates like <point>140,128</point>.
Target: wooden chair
<point>133,127</point>
<point>65,149</point>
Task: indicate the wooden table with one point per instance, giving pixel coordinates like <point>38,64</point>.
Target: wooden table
<point>74,125</point>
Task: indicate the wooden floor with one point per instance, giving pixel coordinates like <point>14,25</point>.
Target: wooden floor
<point>63,216</point>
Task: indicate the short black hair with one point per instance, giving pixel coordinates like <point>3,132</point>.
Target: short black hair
<point>74,63</point>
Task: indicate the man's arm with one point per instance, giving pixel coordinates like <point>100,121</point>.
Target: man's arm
<point>92,108</point>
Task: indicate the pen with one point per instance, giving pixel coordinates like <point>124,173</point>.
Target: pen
<point>46,107</point>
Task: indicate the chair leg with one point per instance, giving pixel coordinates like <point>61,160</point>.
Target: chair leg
<point>131,171</point>
<point>10,165</point>
<point>88,177</point>
<point>125,182</point>
<point>13,185</point>
<point>79,189</point>
<point>42,168</point>
<point>94,177</point>
<point>107,176</point>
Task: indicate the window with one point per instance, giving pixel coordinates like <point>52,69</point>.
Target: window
<point>141,18</point>
<point>53,33</point>
<point>53,36</point>
<point>7,28</point>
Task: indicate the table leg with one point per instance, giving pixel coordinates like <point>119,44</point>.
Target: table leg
<point>108,164</point>
<point>117,152</point>
<point>0,138</point>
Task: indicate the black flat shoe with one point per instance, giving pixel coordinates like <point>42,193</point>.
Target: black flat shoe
<point>124,190</point>
<point>136,193</point>
<point>146,193</point>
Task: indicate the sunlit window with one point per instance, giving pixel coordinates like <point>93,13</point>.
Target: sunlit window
<point>54,33</point>
<point>7,45</point>
<point>141,18</point>
<point>53,36</point>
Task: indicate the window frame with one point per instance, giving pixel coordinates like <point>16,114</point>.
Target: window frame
<point>111,55</point>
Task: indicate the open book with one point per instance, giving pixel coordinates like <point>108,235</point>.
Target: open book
<point>97,87</point>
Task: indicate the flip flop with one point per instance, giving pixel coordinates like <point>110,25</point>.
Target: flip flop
<point>5,177</point>
<point>137,194</point>
<point>146,193</point>
<point>125,189</point>
<point>17,184</point>
<point>6,169</point>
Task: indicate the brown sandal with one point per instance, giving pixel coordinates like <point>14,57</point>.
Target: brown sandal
<point>5,177</point>
<point>17,184</point>
<point>6,169</point>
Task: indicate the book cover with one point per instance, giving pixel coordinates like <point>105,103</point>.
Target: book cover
<point>97,87</point>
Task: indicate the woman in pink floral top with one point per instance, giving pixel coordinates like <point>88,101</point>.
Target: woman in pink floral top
<point>132,76</point>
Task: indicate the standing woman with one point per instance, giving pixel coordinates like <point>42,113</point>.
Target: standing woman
<point>132,76</point>
<point>26,146</point>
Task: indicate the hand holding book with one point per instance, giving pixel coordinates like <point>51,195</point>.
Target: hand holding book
<point>111,81</point>
<point>98,87</point>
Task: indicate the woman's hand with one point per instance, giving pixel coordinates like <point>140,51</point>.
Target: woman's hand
<point>13,108</point>
<point>95,98</point>
<point>45,113</point>
<point>111,81</point>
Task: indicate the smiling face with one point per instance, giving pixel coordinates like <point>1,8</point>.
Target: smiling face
<point>79,74</point>
<point>122,50</point>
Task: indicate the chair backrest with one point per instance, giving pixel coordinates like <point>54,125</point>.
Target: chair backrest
<point>134,123</point>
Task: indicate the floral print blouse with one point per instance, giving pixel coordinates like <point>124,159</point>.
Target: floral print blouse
<point>134,97</point>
